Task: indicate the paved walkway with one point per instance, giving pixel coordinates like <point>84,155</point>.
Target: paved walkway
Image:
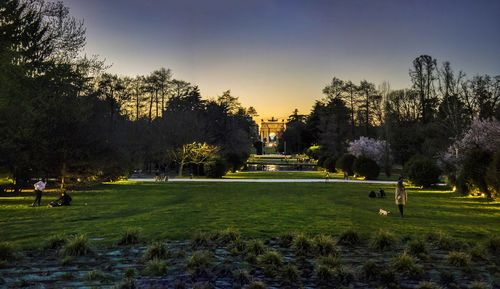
<point>265,181</point>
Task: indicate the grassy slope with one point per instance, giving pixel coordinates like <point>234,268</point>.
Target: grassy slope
<point>176,210</point>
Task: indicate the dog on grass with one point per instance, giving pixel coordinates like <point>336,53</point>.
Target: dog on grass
<point>383,212</point>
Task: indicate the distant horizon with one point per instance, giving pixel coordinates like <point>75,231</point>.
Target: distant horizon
<point>278,55</point>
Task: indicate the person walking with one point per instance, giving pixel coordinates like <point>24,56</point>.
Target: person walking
<point>39,187</point>
<point>400,196</point>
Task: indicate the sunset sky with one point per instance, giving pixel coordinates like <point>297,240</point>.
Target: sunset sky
<point>277,55</point>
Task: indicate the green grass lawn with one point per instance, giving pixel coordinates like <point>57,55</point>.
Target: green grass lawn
<point>176,210</point>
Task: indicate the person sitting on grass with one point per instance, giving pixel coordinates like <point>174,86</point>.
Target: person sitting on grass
<point>64,200</point>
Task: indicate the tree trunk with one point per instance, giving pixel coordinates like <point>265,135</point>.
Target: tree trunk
<point>181,167</point>
<point>63,175</point>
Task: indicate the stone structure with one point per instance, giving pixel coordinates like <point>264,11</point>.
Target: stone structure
<point>271,130</point>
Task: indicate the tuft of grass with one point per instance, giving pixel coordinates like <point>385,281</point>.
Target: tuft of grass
<point>155,267</point>
<point>285,240</point>
<point>126,284</point>
<point>255,247</point>
<point>157,250</point>
<point>130,273</point>
<point>383,240</point>
<point>325,245</point>
<point>405,263</point>
<point>290,275</point>
<point>199,262</point>
<point>330,261</point>
<point>66,260</point>
<point>350,238</point>
<point>256,285</point>
<point>442,240</point>
<point>130,236</point>
<point>238,247</point>
<point>479,285</point>
<point>370,270</point>
<point>459,259</point>
<point>55,242</point>
<point>7,252</point>
<point>324,275</point>
<point>302,245</point>
<point>343,275</point>
<point>178,284</point>
<point>271,262</point>
<point>418,248</point>
<point>446,278</point>
<point>201,240</point>
<point>67,276</point>
<point>241,278</point>
<point>478,252</point>
<point>492,244</point>
<point>228,235</point>
<point>428,285</point>
<point>389,278</point>
<point>96,275</point>
<point>77,245</point>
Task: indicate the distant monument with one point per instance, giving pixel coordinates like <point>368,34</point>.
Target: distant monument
<point>271,130</point>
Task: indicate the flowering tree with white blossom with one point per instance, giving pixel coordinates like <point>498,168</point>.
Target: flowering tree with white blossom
<point>374,149</point>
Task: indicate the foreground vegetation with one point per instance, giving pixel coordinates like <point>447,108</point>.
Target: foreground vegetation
<point>176,210</point>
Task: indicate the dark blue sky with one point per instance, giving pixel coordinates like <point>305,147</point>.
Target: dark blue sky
<point>278,55</point>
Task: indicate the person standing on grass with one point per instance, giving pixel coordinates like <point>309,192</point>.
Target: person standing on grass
<point>39,187</point>
<point>400,196</point>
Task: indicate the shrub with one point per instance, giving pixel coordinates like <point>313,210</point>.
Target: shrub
<point>7,251</point>
<point>428,285</point>
<point>475,167</point>
<point>325,245</point>
<point>459,259</point>
<point>329,164</point>
<point>422,171</point>
<point>346,163</point>
<point>366,167</point>
<point>216,168</point>
<point>199,262</point>
<point>130,236</point>
<point>156,250</point>
<point>155,267</point>
<point>285,240</point>
<point>76,246</point>
<point>349,237</point>
<point>383,240</point>
<point>321,161</point>
<point>55,242</point>
<point>302,245</point>
<point>370,270</point>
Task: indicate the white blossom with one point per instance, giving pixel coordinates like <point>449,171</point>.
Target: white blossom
<point>370,148</point>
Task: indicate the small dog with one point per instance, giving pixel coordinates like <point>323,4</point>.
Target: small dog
<point>383,212</point>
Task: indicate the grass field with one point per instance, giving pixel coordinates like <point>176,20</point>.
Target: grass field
<point>176,210</point>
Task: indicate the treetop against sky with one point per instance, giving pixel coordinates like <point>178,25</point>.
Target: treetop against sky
<point>278,55</point>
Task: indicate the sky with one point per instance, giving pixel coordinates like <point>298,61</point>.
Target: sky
<point>278,55</point>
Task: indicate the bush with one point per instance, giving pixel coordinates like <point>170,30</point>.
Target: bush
<point>493,173</point>
<point>321,161</point>
<point>216,168</point>
<point>346,163</point>
<point>130,236</point>
<point>422,171</point>
<point>76,246</point>
<point>349,237</point>
<point>329,164</point>
<point>366,167</point>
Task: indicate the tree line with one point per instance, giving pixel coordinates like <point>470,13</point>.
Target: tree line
<point>423,120</point>
<point>62,115</point>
